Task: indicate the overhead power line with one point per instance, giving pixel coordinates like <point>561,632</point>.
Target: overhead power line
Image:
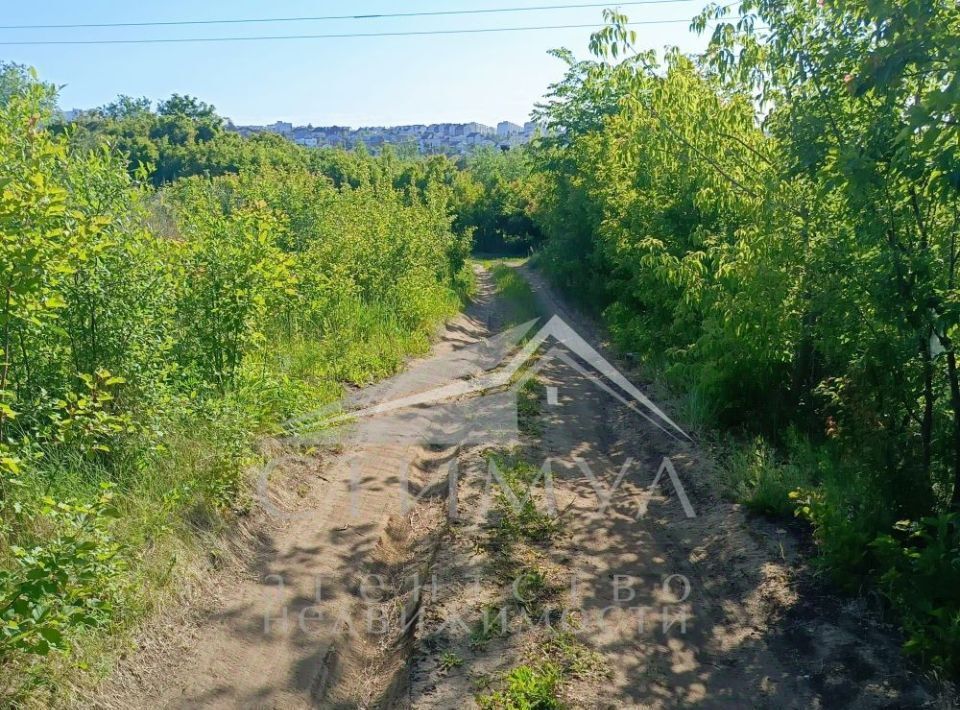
<point>258,38</point>
<point>324,18</point>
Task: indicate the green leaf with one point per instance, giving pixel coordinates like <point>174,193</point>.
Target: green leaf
<point>52,635</point>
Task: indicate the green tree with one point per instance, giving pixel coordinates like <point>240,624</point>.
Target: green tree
<point>188,106</point>
<point>126,107</point>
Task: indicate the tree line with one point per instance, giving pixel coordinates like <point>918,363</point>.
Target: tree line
<point>170,292</point>
<point>774,227</point>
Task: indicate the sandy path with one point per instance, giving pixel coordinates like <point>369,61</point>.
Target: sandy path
<point>279,636</point>
<point>758,633</point>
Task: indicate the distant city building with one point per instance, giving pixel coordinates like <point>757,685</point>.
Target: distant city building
<point>506,129</point>
<point>449,138</point>
<point>284,129</point>
<point>479,129</point>
<point>445,138</point>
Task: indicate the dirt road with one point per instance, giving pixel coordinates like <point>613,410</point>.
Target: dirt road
<point>318,618</point>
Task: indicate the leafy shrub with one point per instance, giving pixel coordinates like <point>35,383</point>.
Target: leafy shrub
<point>234,274</point>
<point>919,573</point>
<point>847,510</point>
<point>84,422</point>
<point>776,238</point>
<point>65,582</point>
<point>148,336</point>
<point>841,532</point>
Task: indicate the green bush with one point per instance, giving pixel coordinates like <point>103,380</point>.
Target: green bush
<point>63,582</point>
<point>919,573</point>
<point>842,533</point>
<point>150,335</point>
<point>776,238</point>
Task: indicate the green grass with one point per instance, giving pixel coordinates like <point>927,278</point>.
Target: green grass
<point>514,289</point>
<point>517,544</point>
<point>524,518</point>
<point>573,657</point>
<point>492,622</point>
<point>520,521</point>
<point>527,687</point>
<point>532,589</point>
<point>557,659</point>
<point>762,482</point>
<point>488,262</point>
<point>448,661</point>
<point>529,400</point>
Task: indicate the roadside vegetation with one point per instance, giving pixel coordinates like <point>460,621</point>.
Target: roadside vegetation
<point>773,229</point>
<point>153,323</point>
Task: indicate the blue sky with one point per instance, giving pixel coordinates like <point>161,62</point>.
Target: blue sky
<point>356,81</point>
